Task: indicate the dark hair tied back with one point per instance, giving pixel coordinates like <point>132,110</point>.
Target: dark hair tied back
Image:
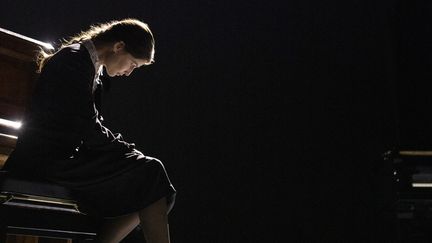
<point>136,35</point>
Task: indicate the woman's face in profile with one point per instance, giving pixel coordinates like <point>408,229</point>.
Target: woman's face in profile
<point>121,62</point>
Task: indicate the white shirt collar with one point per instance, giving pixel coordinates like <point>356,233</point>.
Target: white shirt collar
<point>89,45</point>
<point>93,54</point>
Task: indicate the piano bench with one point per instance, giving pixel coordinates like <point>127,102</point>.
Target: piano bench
<point>29,207</point>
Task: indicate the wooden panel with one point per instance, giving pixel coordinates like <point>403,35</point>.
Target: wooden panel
<point>21,239</point>
<point>7,144</point>
<point>52,240</point>
<point>17,80</point>
<point>17,74</point>
<point>3,158</point>
<point>34,239</point>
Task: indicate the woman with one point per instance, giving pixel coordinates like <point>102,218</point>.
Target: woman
<point>63,139</point>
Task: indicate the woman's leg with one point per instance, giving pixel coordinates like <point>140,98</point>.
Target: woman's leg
<point>153,219</point>
<point>115,229</point>
<point>154,222</point>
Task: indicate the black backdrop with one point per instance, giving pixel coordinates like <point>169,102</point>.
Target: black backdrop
<point>270,116</point>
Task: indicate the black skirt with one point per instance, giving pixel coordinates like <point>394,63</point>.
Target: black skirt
<point>110,185</point>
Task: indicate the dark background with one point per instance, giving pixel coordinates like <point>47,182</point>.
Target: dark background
<point>270,116</point>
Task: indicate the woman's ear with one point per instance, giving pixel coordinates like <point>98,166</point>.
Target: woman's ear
<point>118,46</point>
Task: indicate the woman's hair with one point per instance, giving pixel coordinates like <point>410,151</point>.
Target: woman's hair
<point>136,35</point>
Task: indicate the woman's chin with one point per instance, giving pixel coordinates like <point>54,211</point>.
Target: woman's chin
<point>111,74</point>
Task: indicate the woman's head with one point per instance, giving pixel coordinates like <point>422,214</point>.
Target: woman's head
<point>137,38</point>
<point>128,40</point>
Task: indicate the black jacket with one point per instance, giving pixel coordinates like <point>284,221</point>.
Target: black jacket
<point>62,122</point>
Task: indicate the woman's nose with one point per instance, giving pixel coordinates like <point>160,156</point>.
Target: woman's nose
<point>128,72</point>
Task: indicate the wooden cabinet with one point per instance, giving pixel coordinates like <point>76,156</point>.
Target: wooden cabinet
<point>17,79</point>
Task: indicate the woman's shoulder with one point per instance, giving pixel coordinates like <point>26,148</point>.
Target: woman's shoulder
<point>74,52</point>
<point>72,56</point>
